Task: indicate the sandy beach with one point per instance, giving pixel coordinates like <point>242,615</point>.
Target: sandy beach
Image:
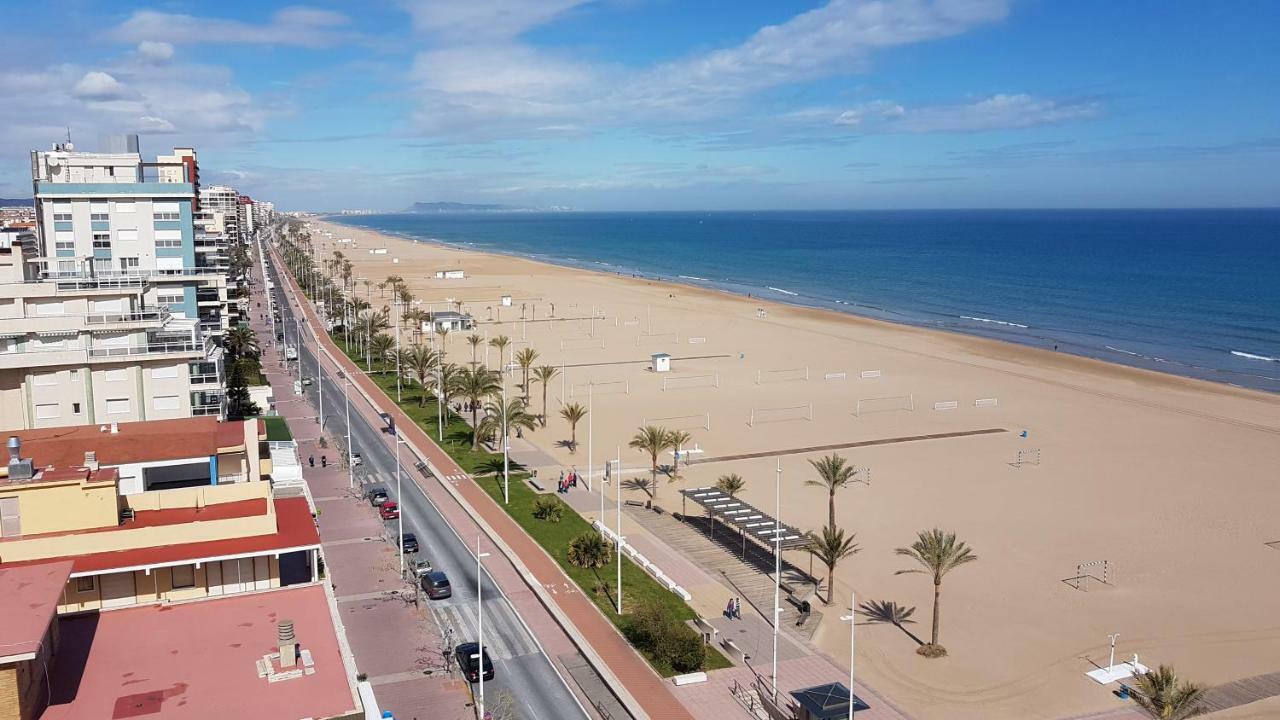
<point>1169,480</point>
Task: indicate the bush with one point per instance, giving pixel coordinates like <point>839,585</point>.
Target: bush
<point>548,508</point>
<point>670,642</point>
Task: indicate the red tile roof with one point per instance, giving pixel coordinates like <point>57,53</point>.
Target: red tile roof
<point>149,441</point>
<point>295,528</point>
<point>192,661</point>
<point>28,604</point>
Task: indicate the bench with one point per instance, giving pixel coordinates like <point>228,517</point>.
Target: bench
<point>689,678</point>
<point>801,603</point>
<point>634,503</point>
<point>536,485</point>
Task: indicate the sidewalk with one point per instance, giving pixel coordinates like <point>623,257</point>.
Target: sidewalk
<point>647,692</point>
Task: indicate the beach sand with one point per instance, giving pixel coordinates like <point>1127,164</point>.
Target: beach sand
<point>1171,480</point>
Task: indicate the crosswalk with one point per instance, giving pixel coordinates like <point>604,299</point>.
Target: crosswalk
<point>455,478</point>
<point>503,634</point>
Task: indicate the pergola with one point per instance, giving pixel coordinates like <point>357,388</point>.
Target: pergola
<point>750,521</point>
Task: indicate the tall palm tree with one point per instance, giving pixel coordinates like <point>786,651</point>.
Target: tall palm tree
<point>476,385</point>
<point>590,550</point>
<point>651,440</point>
<point>678,439</point>
<point>573,413</point>
<point>545,374</point>
<point>474,341</point>
<point>501,342</point>
<point>730,484</point>
<point>830,548</point>
<point>421,364</point>
<point>383,345</point>
<point>937,553</point>
<point>1164,697</point>
<point>833,474</point>
<point>394,282</point>
<point>241,341</point>
<point>525,358</point>
<point>517,417</point>
<point>449,376</point>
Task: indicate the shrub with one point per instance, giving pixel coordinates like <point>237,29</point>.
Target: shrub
<point>548,508</point>
<point>650,628</point>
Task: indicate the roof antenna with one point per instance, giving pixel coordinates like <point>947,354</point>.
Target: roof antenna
<point>68,133</point>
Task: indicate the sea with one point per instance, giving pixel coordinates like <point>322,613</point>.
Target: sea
<point>1190,292</point>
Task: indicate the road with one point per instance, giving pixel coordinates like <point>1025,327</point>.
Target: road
<point>521,668</point>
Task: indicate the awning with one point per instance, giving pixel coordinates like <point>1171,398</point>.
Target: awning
<point>747,518</point>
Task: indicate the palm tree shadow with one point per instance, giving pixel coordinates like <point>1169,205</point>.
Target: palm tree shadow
<point>566,444</point>
<point>640,484</point>
<point>890,613</point>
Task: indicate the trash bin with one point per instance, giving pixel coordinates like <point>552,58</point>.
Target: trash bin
<point>1124,691</point>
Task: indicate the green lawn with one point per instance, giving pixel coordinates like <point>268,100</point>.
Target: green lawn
<point>277,429</point>
<point>486,467</point>
<point>252,369</point>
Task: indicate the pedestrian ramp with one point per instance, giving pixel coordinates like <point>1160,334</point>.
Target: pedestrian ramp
<point>505,637</point>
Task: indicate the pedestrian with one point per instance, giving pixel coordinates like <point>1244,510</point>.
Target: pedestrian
<point>737,608</point>
<point>311,460</point>
<point>324,461</point>
<point>728,609</point>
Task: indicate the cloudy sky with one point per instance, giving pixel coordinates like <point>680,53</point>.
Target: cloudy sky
<point>667,104</point>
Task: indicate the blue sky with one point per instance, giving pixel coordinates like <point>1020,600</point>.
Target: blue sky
<point>666,104</point>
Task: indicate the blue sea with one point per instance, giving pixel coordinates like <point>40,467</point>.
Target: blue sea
<point>1192,292</point>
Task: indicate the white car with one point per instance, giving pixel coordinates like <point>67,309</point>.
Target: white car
<point>290,354</point>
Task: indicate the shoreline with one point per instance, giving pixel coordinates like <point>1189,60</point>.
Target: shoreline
<point>892,318</point>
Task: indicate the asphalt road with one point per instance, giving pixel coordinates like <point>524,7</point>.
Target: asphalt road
<point>521,669</point>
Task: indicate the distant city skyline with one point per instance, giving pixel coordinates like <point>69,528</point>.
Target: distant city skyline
<point>652,104</point>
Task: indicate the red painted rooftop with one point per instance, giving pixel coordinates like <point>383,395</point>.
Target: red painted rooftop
<point>295,528</point>
<point>28,601</point>
<point>148,441</point>
<point>195,661</point>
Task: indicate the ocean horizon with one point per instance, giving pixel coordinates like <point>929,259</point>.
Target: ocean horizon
<point>1188,292</point>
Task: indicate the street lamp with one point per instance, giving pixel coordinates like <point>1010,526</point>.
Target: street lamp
<point>777,572</point>
<point>351,468</point>
<point>480,615</point>
<point>590,424</point>
<point>399,499</point>
<point>506,444</point>
<point>621,539</point>
<point>853,606</point>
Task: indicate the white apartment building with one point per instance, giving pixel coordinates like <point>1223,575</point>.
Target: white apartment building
<point>224,201</point>
<point>96,349</point>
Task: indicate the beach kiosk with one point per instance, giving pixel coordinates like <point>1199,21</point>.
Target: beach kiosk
<point>506,301</point>
<point>661,362</point>
<point>826,702</point>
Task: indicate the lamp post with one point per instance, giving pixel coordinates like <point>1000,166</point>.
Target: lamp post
<point>319,380</point>
<point>777,572</point>
<point>850,618</point>
<point>351,468</point>
<point>621,539</point>
<point>506,455</point>
<point>399,320</point>
<point>480,615</point>
<point>399,499</point>
<point>440,395</point>
<point>590,418</point>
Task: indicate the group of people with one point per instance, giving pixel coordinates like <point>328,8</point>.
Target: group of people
<point>733,610</point>
<point>324,461</point>
<point>571,481</point>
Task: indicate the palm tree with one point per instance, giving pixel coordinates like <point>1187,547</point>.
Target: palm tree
<point>573,413</point>
<point>476,385</point>
<point>730,484</point>
<point>830,548</point>
<point>651,440</point>
<point>394,282</point>
<point>444,335</point>
<point>1164,697</point>
<point>938,553</point>
<point>421,363</point>
<point>241,341</point>
<point>501,342</point>
<point>517,417</point>
<point>383,346</point>
<point>525,358</point>
<point>678,439</point>
<point>449,375</point>
<point>475,341</point>
<point>590,550</point>
<point>833,474</point>
<point>545,374</point>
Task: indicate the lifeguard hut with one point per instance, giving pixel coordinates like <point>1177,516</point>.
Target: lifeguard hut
<point>661,362</point>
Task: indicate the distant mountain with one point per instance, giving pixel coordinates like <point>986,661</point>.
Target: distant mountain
<point>15,202</point>
<point>443,207</point>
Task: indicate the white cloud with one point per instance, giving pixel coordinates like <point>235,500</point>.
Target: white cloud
<point>154,51</point>
<point>96,85</point>
<point>998,112</point>
<point>297,25</point>
<point>485,19</point>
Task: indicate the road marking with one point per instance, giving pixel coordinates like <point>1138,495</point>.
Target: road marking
<point>504,637</point>
<point>350,541</point>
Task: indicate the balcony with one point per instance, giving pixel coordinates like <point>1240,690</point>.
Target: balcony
<point>141,320</point>
<point>205,379</point>
<point>125,278</point>
<point>190,348</point>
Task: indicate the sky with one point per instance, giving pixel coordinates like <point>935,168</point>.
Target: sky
<point>666,104</point>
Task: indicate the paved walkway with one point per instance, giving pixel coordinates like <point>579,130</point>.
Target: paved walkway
<point>648,692</point>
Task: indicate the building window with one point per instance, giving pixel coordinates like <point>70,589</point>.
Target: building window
<point>67,266</point>
<point>128,263</point>
<point>64,240</point>
<point>168,243</point>
<point>84,584</point>
<point>184,576</point>
<point>75,407</point>
<point>62,212</point>
<point>102,264</point>
<point>118,406</point>
<point>48,411</point>
<point>98,212</point>
<point>102,241</point>
<point>166,211</point>
<point>170,299</point>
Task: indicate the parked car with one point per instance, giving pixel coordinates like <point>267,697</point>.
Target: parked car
<point>421,567</point>
<point>410,542</point>
<point>290,353</point>
<point>389,510</point>
<point>436,585</point>
<point>356,460</point>
<point>469,661</point>
<point>377,496</point>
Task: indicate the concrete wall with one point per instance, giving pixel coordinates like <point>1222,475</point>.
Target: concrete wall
<point>50,507</point>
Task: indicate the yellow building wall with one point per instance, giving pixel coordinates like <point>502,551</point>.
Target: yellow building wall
<point>128,538</point>
<point>201,496</point>
<point>49,507</point>
<point>151,588</point>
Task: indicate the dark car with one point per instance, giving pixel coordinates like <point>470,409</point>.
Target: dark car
<point>436,585</point>
<point>468,655</point>
<point>376,495</point>
<point>410,542</point>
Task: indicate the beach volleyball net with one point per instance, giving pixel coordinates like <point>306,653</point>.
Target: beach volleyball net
<point>582,343</point>
<point>681,422</point>
<point>790,413</point>
<point>784,375</point>
<point>688,382</point>
<point>893,403</point>
<point>656,338</point>
<point>612,387</point>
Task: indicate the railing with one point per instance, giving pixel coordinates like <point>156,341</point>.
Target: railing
<point>136,276</point>
<point>233,478</point>
<point>160,315</point>
<point>200,410</point>
<point>71,281</point>
<point>151,349</point>
<point>204,379</point>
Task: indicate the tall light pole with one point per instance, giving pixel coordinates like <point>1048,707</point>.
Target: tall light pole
<point>590,418</point>
<point>440,394</point>
<point>480,615</point>
<point>351,468</point>
<point>850,618</point>
<point>506,446</point>
<point>399,320</point>
<point>319,378</point>
<point>777,571</point>
<point>618,496</point>
<point>399,499</point>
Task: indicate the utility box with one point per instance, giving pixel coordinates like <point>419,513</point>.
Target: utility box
<point>661,362</point>
<point>506,301</point>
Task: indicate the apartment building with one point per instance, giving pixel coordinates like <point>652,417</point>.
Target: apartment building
<point>112,215</point>
<point>224,201</point>
<point>85,349</point>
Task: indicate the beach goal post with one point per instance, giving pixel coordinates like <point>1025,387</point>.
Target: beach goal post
<point>784,375</point>
<point>1099,570</point>
<point>681,422</point>
<point>892,403</point>
<point>687,382</point>
<point>652,338</point>
<point>582,343</point>
<point>1030,456</point>
<point>780,414</point>
<point>612,387</point>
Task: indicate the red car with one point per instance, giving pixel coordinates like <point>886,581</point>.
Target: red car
<point>389,510</point>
